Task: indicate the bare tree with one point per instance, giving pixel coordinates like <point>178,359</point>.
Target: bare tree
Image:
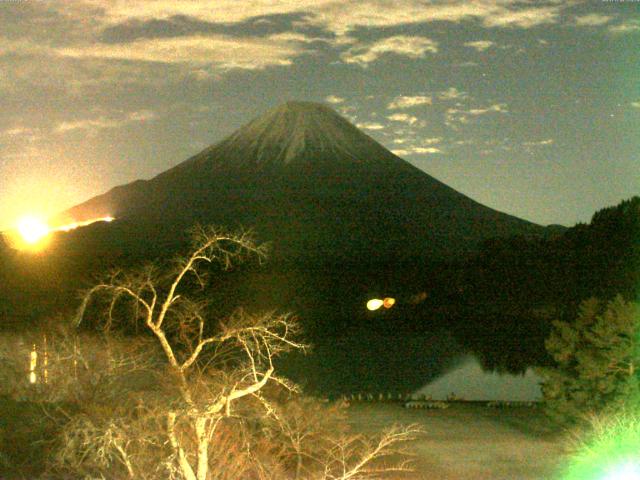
<point>235,359</point>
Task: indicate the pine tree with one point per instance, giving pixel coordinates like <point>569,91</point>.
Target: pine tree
<point>597,360</point>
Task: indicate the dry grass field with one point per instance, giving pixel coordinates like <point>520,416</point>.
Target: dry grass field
<point>471,441</point>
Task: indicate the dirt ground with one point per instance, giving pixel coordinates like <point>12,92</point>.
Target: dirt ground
<point>472,442</point>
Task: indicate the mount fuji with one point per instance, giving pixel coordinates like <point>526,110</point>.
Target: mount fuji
<point>309,181</point>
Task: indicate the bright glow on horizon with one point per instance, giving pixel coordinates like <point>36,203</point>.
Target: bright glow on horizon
<point>74,225</point>
<point>32,229</point>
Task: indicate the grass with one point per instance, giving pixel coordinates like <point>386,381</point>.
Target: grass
<point>471,441</point>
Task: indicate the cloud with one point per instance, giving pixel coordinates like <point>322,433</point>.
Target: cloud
<point>370,126</point>
<point>416,150</point>
<point>403,45</point>
<point>523,18</point>
<point>480,45</point>
<point>458,115</point>
<point>427,150</point>
<point>629,26</point>
<point>333,99</point>
<point>337,17</point>
<point>102,122</point>
<point>498,107</point>
<point>592,20</point>
<point>341,17</point>
<point>537,143</point>
<point>19,132</point>
<point>223,51</point>
<point>403,117</point>
<point>403,101</point>
<point>452,93</point>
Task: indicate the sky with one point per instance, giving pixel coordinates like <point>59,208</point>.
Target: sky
<point>529,107</point>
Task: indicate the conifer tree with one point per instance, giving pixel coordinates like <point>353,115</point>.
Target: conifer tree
<point>597,361</point>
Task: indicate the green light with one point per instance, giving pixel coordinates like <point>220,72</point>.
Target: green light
<point>612,452</point>
<point>626,471</point>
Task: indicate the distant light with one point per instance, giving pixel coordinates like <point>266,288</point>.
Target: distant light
<point>33,363</point>
<point>32,229</point>
<point>374,304</point>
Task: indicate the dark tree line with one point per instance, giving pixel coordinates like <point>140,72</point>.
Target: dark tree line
<point>514,287</point>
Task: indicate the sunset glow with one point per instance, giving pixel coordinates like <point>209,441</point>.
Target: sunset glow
<point>32,231</point>
<point>74,225</point>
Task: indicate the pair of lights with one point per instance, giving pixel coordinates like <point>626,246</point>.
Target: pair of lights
<point>376,303</point>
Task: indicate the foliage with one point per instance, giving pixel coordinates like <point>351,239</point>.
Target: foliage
<point>597,359</point>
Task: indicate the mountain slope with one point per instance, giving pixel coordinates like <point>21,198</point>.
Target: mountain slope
<point>307,179</point>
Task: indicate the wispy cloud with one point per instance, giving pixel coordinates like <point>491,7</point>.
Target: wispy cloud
<point>370,126</point>
<point>452,93</point>
<point>403,45</point>
<point>338,17</point>
<point>480,45</point>
<point>103,122</point>
<point>223,51</point>
<point>455,116</point>
<point>524,17</point>
<point>19,132</point>
<point>411,145</point>
<point>592,20</point>
<point>537,143</point>
<point>498,107</point>
<point>416,150</point>
<point>629,26</point>
<point>334,99</point>
<point>404,101</point>
<point>403,117</point>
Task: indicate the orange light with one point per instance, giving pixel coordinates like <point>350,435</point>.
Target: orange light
<point>388,302</point>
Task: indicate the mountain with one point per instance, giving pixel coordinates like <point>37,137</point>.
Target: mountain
<point>308,180</point>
